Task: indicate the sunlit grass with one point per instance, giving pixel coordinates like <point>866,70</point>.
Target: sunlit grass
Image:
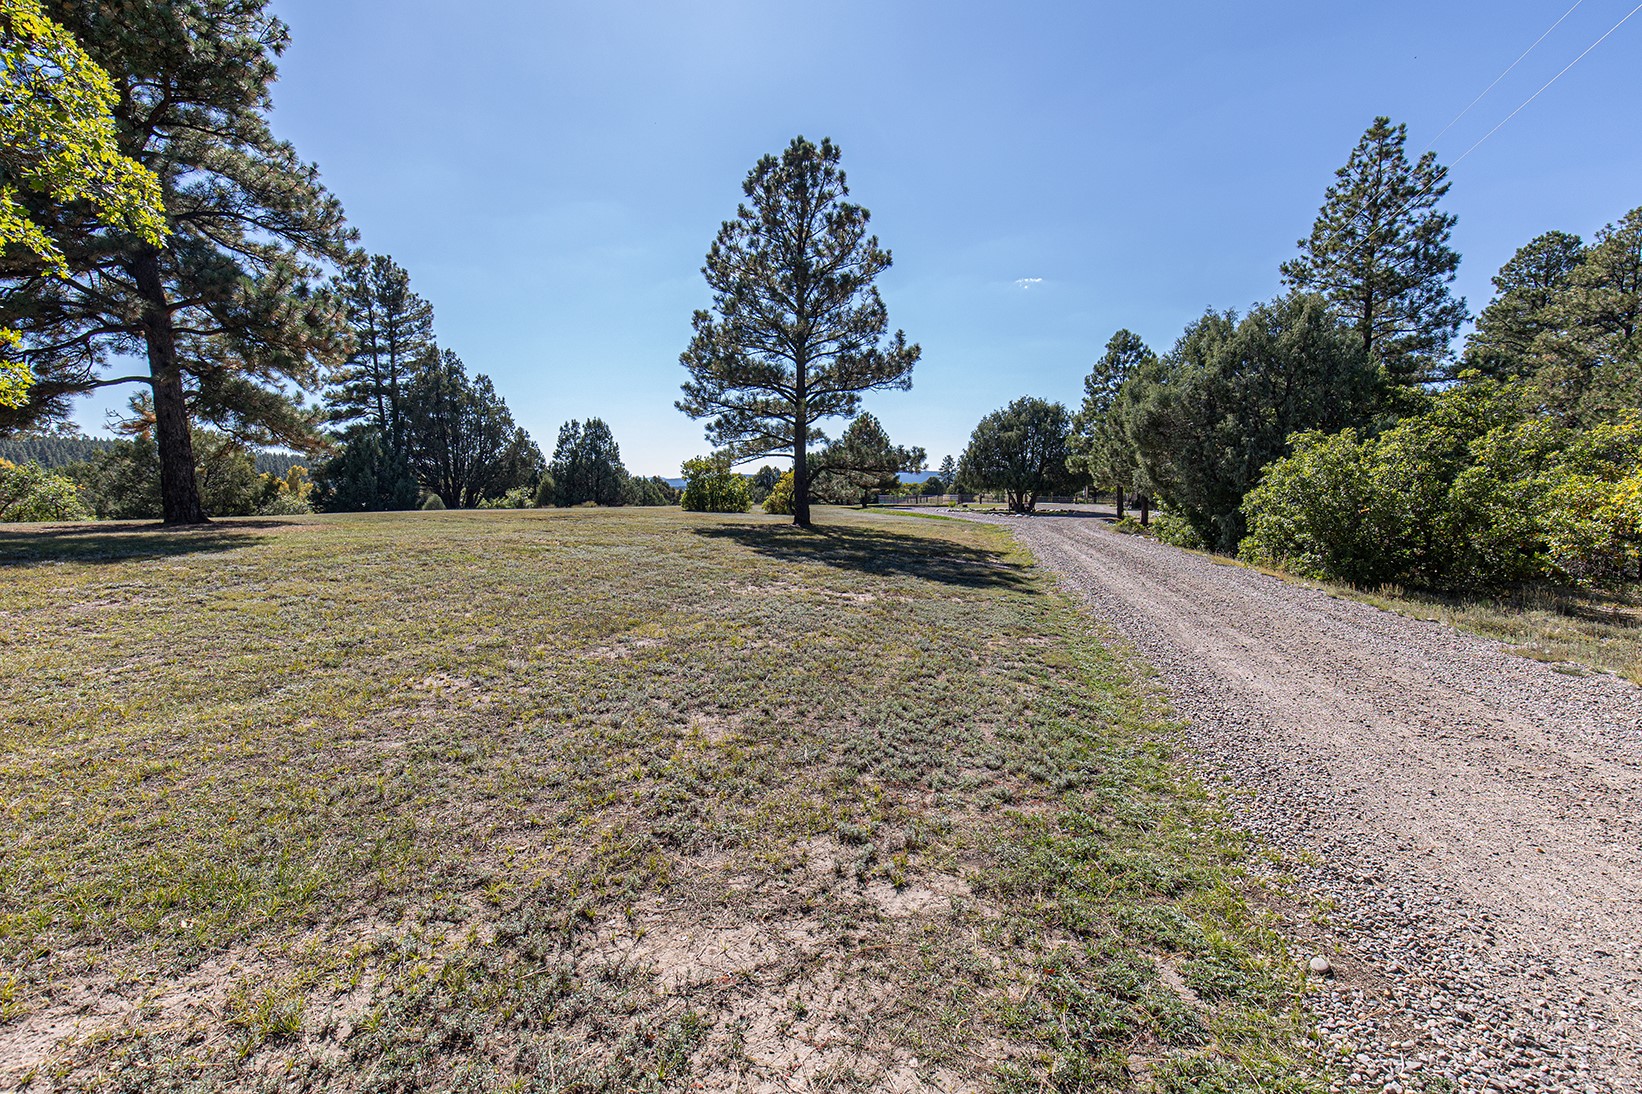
<point>451,800</point>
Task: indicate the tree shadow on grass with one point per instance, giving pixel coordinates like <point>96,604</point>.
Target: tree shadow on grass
<point>877,552</point>
<point>53,543</point>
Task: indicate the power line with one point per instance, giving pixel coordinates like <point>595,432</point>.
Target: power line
<point>1508,69</point>
<point>1549,82</point>
<point>1443,172</point>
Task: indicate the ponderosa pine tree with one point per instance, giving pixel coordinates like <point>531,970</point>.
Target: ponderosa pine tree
<point>1097,448</point>
<point>1508,337</point>
<point>797,331</point>
<point>948,473</point>
<point>228,310</point>
<point>392,330</point>
<point>863,463</point>
<point>1379,254</point>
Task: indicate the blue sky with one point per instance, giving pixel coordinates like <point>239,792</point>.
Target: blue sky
<point>552,173</point>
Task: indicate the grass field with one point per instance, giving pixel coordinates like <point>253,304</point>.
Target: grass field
<point>602,801</point>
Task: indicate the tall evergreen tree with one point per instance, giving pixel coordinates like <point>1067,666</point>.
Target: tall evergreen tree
<point>1097,449</point>
<point>1379,253</point>
<point>392,329</point>
<point>1593,352</point>
<point>226,310</point>
<point>797,330</point>
<point>949,474</point>
<point>1508,337</point>
<point>464,444</point>
<point>587,465</point>
<point>863,463</point>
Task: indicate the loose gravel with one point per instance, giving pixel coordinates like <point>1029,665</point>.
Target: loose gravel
<point>1466,819</point>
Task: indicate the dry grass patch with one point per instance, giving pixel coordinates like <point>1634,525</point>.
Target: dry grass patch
<point>601,801</point>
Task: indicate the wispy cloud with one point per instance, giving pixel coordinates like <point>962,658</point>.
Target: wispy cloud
<point>1028,282</point>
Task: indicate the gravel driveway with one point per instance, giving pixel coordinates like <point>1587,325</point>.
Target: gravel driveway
<point>1473,815</point>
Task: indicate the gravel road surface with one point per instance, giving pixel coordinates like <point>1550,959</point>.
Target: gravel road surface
<point>1474,817</point>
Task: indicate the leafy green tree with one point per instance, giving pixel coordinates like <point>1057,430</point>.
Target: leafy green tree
<point>797,331</point>
<point>587,465</point>
<point>862,464</point>
<point>463,442</point>
<point>948,473</point>
<point>1021,450</point>
<point>1379,253</point>
<point>228,310</point>
<point>780,500</point>
<point>30,493</point>
<point>1205,420</point>
<point>711,485</point>
<point>1509,339</point>
<point>1098,446</point>
<point>58,144</point>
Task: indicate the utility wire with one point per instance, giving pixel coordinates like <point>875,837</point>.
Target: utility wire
<point>1549,82</point>
<point>1508,70</point>
<point>1443,172</point>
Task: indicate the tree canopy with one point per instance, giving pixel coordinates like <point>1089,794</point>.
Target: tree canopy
<point>587,466</point>
<point>229,310</point>
<point>863,463</point>
<point>1379,254</point>
<point>463,442</point>
<point>1020,450</point>
<point>1204,421</point>
<point>1099,447</point>
<point>797,330</point>
<point>58,144</point>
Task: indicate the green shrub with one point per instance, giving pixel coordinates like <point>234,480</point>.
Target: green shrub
<point>1178,531</point>
<point>780,500</point>
<point>1129,526</point>
<point>434,502</point>
<point>1593,526</point>
<point>520,497</point>
<point>1479,493</point>
<point>31,493</point>
<point>712,487</point>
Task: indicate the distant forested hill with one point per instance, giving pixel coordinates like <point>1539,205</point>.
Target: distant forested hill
<point>53,452</point>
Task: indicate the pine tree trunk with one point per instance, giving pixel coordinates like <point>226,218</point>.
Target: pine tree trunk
<point>1120,503</point>
<point>179,489</point>
<point>800,455</point>
<point>1145,510</point>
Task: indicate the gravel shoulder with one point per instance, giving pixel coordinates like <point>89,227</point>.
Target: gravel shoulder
<point>1470,818</point>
